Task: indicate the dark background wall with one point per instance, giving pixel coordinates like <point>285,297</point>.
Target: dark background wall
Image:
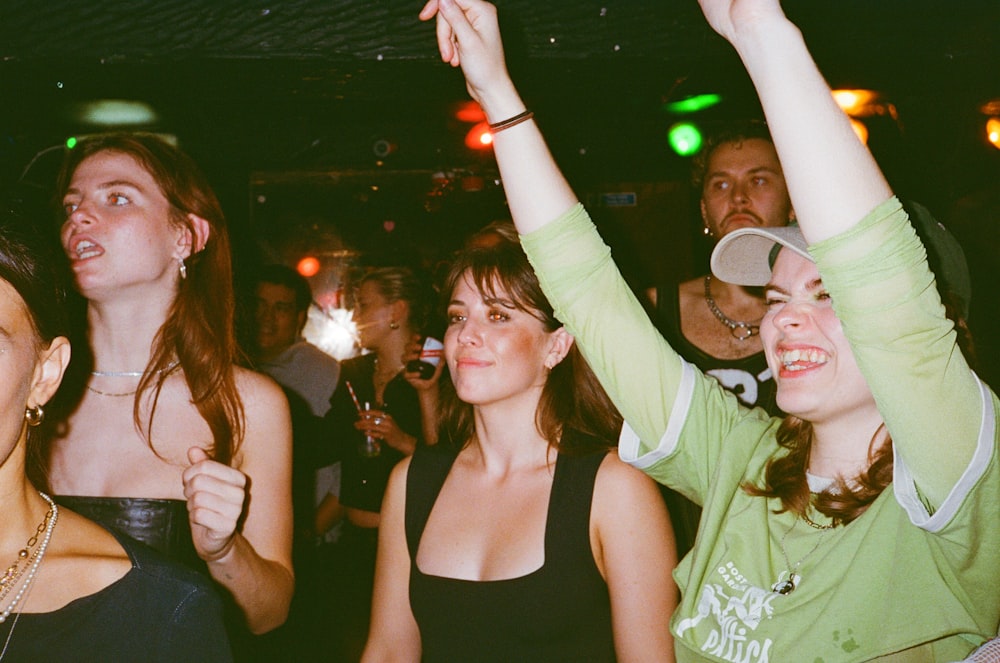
<point>286,103</point>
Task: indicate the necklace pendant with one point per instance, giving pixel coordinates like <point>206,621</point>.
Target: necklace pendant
<point>786,586</point>
<point>741,331</point>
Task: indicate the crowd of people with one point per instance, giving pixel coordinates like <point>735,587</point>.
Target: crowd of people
<point>788,458</point>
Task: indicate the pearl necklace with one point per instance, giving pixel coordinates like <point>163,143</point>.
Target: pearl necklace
<point>50,523</point>
<point>741,331</point>
<point>36,559</point>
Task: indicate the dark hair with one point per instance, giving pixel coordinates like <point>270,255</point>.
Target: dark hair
<point>572,396</point>
<point>28,263</point>
<point>403,284</point>
<point>733,132</point>
<point>289,278</point>
<point>199,330</point>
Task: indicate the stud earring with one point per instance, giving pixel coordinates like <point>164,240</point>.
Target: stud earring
<point>393,325</point>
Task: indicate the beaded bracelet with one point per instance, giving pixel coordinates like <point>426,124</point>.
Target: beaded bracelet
<point>497,127</point>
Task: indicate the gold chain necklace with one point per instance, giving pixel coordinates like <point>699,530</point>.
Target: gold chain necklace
<point>48,524</point>
<point>28,552</point>
<point>377,378</point>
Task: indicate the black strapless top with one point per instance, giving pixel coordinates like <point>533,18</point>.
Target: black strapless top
<point>161,524</point>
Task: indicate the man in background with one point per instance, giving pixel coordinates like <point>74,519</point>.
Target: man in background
<point>309,377</point>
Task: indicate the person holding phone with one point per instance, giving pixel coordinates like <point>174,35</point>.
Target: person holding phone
<point>392,305</point>
<point>860,526</point>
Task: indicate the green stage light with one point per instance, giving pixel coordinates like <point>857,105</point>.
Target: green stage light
<point>684,138</point>
<point>698,102</point>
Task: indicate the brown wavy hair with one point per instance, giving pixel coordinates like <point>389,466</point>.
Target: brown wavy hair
<point>572,396</point>
<point>785,476</point>
<point>199,332</point>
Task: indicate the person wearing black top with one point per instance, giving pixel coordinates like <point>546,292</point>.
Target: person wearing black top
<point>70,590</point>
<point>519,537</point>
<point>391,309</point>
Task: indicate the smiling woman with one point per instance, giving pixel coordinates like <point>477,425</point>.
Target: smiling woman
<point>851,501</point>
<point>518,537</point>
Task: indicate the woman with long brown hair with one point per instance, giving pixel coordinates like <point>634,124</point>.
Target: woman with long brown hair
<point>863,526</point>
<point>71,590</point>
<point>519,537</point>
<point>172,442</point>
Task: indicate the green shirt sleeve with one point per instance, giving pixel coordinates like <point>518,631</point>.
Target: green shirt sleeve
<point>638,369</point>
<point>884,295</point>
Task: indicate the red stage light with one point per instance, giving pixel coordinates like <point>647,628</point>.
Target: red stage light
<point>470,112</point>
<point>479,137</point>
<point>308,266</point>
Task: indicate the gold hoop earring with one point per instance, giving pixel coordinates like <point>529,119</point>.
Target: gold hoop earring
<point>34,415</point>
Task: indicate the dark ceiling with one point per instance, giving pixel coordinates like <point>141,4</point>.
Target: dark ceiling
<point>305,85</point>
<point>283,102</point>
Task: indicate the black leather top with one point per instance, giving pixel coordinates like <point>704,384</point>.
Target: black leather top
<point>161,524</point>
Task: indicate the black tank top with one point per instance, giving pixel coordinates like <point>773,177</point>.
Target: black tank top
<point>749,378</point>
<point>561,612</point>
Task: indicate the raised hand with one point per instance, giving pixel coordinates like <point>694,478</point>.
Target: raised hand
<point>727,16</point>
<point>215,497</point>
<point>468,36</point>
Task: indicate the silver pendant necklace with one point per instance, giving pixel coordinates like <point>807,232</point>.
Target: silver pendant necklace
<point>789,579</point>
<point>741,331</point>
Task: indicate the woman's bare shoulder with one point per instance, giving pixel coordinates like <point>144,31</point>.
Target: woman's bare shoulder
<point>268,426</point>
<point>617,480</point>
<point>83,559</point>
<point>257,388</point>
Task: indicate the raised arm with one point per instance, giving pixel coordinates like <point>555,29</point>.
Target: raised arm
<point>876,274</point>
<point>637,368</point>
<point>469,36</point>
<point>833,180</point>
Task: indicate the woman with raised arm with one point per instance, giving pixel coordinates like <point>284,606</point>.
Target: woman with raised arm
<point>518,537</point>
<point>172,443</point>
<point>862,526</point>
<point>71,590</point>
